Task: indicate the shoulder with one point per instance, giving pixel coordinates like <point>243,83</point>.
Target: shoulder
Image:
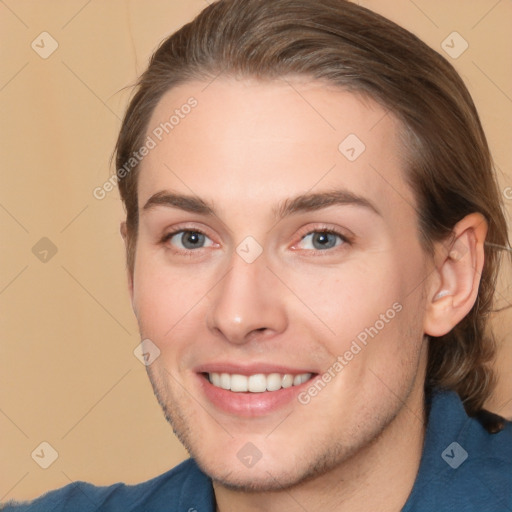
<point>463,466</point>
<point>184,487</point>
<point>488,464</point>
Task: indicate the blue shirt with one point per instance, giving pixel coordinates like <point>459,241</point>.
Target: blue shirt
<point>463,469</point>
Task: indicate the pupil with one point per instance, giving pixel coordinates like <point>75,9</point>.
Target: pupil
<point>192,240</point>
<point>324,240</point>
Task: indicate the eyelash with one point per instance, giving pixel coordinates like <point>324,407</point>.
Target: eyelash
<point>189,252</point>
<point>346,240</point>
<point>185,252</point>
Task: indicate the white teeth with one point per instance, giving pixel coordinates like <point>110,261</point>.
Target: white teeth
<point>287,381</point>
<point>215,379</point>
<point>274,382</point>
<point>257,383</point>
<point>238,383</point>
<point>225,381</point>
<point>299,379</point>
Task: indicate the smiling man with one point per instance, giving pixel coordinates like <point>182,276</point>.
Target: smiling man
<point>305,243</point>
<point>242,334</point>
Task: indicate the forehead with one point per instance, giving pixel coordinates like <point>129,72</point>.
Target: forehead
<point>245,139</point>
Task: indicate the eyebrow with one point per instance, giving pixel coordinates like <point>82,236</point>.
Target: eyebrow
<point>183,202</point>
<point>302,203</point>
<point>317,201</point>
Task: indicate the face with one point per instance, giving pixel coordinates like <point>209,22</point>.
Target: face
<point>279,272</point>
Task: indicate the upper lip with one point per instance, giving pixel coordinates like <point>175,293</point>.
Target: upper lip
<point>250,369</point>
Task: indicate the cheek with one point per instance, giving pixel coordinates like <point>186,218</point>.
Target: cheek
<point>350,298</point>
<point>164,297</point>
<point>375,302</point>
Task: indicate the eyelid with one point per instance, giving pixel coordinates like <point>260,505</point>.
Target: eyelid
<point>184,228</point>
<point>170,234</point>
<point>348,239</point>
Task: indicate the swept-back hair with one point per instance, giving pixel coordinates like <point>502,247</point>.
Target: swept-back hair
<point>448,162</point>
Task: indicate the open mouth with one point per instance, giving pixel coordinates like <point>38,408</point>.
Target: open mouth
<point>257,383</point>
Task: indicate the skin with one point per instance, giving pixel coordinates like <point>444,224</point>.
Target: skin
<point>246,149</point>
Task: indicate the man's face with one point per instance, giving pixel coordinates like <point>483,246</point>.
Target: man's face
<point>274,247</point>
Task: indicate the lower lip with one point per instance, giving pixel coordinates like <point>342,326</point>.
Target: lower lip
<point>250,404</point>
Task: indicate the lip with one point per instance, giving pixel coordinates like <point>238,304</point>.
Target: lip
<point>250,369</point>
<point>250,404</point>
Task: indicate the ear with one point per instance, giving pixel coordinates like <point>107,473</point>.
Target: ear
<point>459,262</point>
<point>124,233</point>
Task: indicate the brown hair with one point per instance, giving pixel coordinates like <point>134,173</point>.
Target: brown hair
<point>449,164</point>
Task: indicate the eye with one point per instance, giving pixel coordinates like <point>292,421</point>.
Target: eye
<point>321,240</point>
<point>189,240</point>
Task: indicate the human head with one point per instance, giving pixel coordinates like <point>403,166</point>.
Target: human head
<point>448,162</point>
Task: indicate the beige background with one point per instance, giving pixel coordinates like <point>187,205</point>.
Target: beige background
<point>68,375</point>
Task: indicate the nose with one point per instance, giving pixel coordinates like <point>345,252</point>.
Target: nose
<point>248,303</point>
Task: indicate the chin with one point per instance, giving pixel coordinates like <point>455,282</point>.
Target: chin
<point>267,478</point>
<point>284,470</point>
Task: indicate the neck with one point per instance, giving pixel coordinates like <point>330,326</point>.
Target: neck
<point>378,477</point>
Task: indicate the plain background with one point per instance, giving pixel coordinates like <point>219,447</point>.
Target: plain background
<point>68,375</point>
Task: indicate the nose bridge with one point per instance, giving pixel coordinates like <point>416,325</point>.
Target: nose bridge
<point>245,302</point>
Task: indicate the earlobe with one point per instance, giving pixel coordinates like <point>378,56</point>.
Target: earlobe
<point>459,264</point>
<point>124,233</point>
<point>122,229</point>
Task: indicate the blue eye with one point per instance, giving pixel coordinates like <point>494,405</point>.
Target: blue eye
<point>321,240</point>
<point>189,240</point>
